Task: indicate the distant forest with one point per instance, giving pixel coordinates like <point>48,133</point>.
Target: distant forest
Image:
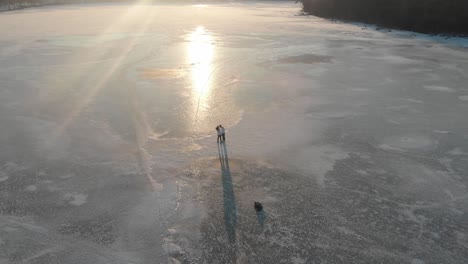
<point>426,16</point>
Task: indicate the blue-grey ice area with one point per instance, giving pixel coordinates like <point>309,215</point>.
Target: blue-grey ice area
<point>354,140</point>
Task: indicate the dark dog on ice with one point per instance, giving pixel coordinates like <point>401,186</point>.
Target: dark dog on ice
<point>258,206</point>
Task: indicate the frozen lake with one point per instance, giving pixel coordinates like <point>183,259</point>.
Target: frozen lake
<point>355,140</point>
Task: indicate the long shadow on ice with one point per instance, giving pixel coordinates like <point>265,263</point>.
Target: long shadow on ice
<point>230,210</point>
<point>261,216</point>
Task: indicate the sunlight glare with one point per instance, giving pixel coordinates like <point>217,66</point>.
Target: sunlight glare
<point>200,55</point>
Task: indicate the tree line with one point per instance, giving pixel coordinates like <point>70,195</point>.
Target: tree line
<point>18,4</point>
<point>426,16</point>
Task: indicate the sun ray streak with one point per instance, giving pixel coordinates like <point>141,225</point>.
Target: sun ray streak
<point>89,96</point>
<point>119,22</point>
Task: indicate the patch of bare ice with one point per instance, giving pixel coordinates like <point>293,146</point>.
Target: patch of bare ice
<point>307,59</point>
<point>31,188</point>
<point>297,260</point>
<point>417,261</point>
<point>66,176</point>
<point>457,151</point>
<point>318,160</point>
<point>12,166</point>
<point>172,249</point>
<point>439,88</point>
<point>408,142</point>
<point>360,90</point>
<point>76,198</point>
<point>414,100</point>
<point>172,231</point>
<point>462,239</point>
<point>174,261</point>
<point>363,172</point>
<point>394,59</point>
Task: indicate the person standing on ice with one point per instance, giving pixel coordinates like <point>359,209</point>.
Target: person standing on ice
<point>222,132</point>
<point>218,130</point>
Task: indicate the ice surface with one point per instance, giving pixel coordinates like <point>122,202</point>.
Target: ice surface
<point>354,140</point>
<point>439,88</point>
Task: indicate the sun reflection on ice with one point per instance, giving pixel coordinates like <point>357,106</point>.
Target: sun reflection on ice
<point>200,53</point>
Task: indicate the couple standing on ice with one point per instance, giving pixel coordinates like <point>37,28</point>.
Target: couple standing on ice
<point>221,134</point>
